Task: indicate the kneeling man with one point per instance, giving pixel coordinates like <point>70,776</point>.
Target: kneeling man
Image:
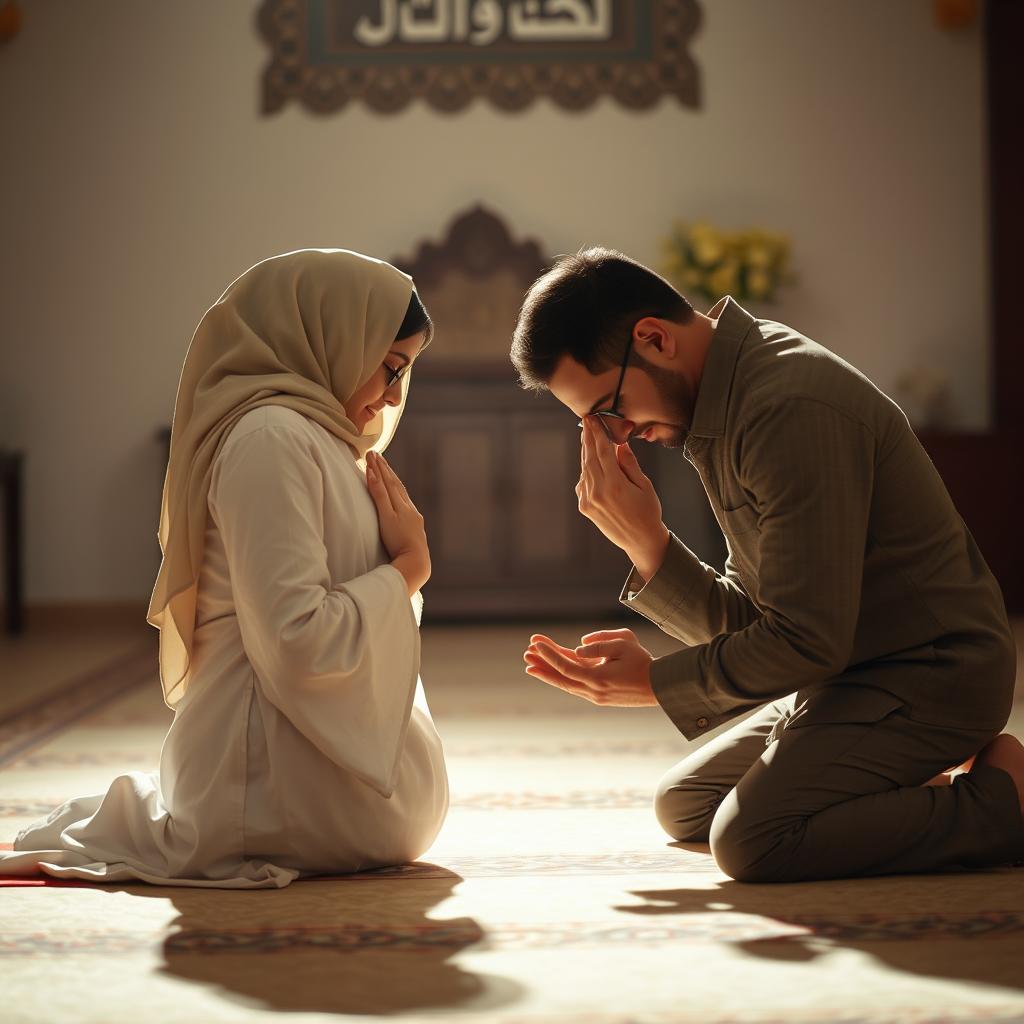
<point>855,610</point>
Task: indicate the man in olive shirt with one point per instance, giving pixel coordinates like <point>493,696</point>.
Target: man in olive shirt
<point>855,609</point>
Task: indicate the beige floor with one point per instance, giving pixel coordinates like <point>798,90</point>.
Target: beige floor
<point>553,896</point>
<point>44,659</point>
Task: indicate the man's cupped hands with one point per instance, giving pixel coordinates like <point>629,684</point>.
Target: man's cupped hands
<point>610,667</point>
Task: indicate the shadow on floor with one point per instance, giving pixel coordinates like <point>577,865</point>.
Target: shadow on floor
<point>355,946</point>
<point>950,926</point>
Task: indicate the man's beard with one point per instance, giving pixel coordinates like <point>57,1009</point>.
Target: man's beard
<point>674,391</point>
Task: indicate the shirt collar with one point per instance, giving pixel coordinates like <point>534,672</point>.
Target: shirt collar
<point>709,411</point>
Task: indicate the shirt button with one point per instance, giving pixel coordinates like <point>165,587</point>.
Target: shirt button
<point>702,723</point>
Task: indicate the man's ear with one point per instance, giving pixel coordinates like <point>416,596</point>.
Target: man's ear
<point>653,340</point>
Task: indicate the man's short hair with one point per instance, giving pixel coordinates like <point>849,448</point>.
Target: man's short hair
<point>586,306</point>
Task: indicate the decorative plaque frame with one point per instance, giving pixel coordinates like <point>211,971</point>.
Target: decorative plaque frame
<point>386,53</point>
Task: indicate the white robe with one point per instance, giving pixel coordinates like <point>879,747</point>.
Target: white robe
<point>303,744</point>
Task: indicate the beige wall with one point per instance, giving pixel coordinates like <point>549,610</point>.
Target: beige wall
<point>138,178</point>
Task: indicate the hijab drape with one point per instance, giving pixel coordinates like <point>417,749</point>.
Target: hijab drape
<point>304,330</point>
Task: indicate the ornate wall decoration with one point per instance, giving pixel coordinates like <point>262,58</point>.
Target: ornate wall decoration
<point>386,53</point>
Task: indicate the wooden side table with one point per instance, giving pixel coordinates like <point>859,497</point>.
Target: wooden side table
<point>11,483</point>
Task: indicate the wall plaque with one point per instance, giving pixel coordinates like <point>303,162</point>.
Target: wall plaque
<point>386,53</point>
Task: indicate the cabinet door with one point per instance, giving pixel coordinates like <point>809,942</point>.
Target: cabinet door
<point>462,481</point>
<point>543,543</point>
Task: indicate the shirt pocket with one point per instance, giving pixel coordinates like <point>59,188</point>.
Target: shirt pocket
<point>742,537</point>
<point>735,522</point>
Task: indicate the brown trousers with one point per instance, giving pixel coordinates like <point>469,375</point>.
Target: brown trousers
<point>792,794</point>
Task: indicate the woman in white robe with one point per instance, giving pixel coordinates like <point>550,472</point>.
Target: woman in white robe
<point>287,602</point>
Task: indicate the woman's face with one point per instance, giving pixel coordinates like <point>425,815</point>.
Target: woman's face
<point>376,393</point>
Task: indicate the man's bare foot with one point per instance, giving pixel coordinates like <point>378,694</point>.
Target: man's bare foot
<point>1006,752</point>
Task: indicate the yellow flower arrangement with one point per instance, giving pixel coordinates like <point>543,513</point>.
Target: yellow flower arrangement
<point>702,259</point>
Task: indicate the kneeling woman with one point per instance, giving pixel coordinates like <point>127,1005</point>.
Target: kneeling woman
<point>287,603</point>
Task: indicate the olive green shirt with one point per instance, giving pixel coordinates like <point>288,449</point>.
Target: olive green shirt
<point>847,560</point>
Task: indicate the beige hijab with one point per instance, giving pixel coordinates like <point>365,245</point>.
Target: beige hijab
<point>304,330</point>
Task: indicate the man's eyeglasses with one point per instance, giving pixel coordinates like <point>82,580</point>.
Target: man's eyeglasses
<point>616,427</point>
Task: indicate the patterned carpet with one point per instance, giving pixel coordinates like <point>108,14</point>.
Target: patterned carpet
<point>551,895</point>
